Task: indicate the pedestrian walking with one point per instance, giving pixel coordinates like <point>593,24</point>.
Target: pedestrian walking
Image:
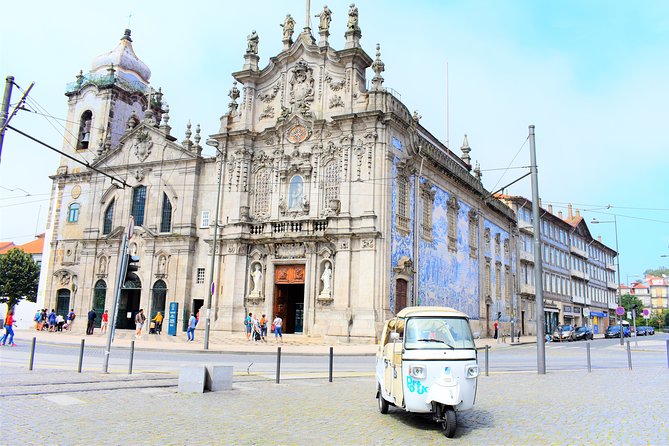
<point>190,332</point>
<point>248,322</point>
<point>9,329</point>
<point>263,328</point>
<point>70,319</point>
<point>90,327</point>
<point>139,322</point>
<point>495,326</point>
<point>277,326</point>
<point>52,320</point>
<point>255,323</point>
<point>105,322</point>
<point>38,320</point>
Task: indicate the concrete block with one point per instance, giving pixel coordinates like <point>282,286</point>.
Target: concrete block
<point>192,378</point>
<point>219,377</point>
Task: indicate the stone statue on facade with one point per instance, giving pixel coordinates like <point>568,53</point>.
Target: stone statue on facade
<point>288,28</point>
<point>352,18</point>
<point>252,43</point>
<point>326,278</point>
<point>326,17</point>
<point>256,275</point>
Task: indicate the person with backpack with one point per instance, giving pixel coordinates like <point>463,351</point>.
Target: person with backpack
<point>139,322</point>
<point>70,319</point>
<point>248,321</point>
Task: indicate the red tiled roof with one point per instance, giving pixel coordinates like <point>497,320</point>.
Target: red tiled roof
<point>34,247</point>
<point>6,246</point>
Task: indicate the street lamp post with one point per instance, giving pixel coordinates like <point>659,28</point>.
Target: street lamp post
<point>213,143</point>
<point>615,226</point>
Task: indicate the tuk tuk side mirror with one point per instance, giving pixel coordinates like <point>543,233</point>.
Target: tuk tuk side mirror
<point>394,336</point>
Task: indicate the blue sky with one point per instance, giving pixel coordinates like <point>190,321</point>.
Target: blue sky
<point>591,76</point>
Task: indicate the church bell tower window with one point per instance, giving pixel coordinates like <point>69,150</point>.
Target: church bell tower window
<point>85,130</point>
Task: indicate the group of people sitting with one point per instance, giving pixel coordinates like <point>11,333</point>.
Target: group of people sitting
<point>50,321</point>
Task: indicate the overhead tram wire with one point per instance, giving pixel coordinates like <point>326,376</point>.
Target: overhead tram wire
<point>68,156</point>
<point>512,160</point>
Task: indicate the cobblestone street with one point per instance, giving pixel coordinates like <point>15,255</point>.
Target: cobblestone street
<point>512,408</point>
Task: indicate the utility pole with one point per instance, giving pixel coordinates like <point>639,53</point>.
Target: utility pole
<point>4,109</point>
<point>538,273</point>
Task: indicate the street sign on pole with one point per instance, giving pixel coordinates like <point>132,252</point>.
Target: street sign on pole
<point>620,310</point>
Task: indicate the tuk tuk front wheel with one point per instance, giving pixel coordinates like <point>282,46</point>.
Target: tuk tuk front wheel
<point>383,404</point>
<point>450,422</point>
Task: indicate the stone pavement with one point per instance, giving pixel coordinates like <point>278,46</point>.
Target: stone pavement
<point>224,342</point>
<point>559,408</point>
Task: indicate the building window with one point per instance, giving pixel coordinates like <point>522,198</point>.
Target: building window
<point>487,277</point>
<point>427,202</point>
<point>295,193</point>
<point>508,283</point>
<point>403,201</point>
<point>166,220</point>
<point>263,190</point>
<point>204,219</point>
<point>109,218</point>
<point>138,203</point>
<point>498,279</point>
<point>73,213</point>
<point>473,233</point>
<point>200,275</point>
<point>85,124</point>
<point>330,182</point>
<point>452,215</point>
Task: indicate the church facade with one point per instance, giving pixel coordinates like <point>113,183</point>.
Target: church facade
<point>327,202</point>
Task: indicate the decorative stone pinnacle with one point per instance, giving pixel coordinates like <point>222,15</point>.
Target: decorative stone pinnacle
<point>465,151</point>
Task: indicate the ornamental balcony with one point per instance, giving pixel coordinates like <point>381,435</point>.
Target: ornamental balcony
<point>278,229</point>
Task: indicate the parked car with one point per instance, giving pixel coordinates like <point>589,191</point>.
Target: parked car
<point>613,331</point>
<point>650,330</point>
<point>641,331</point>
<point>563,333</point>
<point>583,333</point>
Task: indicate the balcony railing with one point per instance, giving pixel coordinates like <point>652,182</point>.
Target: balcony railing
<point>300,227</point>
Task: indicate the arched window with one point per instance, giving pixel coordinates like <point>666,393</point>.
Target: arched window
<point>99,298</point>
<point>295,192</point>
<point>166,220</point>
<point>73,213</point>
<point>159,293</point>
<point>109,218</point>
<point>331,182</point>
<point>263,191</point>
<point>85,130</point>
<point>138,203</point>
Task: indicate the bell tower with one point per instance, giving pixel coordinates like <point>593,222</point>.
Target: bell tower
<point>102,101</point>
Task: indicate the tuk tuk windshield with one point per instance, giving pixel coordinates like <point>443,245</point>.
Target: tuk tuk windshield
<point>438,333</point>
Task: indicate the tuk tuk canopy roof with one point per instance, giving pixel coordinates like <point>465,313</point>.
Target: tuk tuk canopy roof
<point>430,311</point>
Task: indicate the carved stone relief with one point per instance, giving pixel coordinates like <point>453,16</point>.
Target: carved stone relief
<point>142,145</point>
<point>290,251</point>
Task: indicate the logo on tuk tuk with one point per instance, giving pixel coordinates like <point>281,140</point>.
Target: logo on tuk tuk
<point>415,386</point>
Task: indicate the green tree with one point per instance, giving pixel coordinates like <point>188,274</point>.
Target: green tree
<point>19,276</point>
<point>628,301</point>
<point>657,271</point>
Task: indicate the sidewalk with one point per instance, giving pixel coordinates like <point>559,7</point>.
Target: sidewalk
<point>225,342</point>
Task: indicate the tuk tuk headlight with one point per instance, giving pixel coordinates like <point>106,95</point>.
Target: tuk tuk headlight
<point>417,371</point>
<point>472,371</point>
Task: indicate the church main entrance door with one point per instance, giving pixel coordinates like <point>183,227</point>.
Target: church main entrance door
<point>289,296</point>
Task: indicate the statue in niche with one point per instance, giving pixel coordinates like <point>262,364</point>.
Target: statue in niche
<point>295,192</point>
<point>352,18</point>
<point>288,28</point>
<point>326,16</point>
<point>252,43</point>
<point>102,267</point>
<point>162,265</point>
<point>256,275</point>
<point>326,278</point>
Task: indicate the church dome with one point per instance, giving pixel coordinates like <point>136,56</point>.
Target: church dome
<point>124,59</point>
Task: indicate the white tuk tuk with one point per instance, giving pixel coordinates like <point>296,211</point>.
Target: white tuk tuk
<point>427,363</point>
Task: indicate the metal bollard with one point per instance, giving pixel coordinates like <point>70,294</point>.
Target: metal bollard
<point>587,349</point>
<point>81,355</point>
<point>278,364</point>
<point>32,354</point>
<point>132,356</point>
<point>629,355</point>
<point>487,347</point>
<point>331,361</point>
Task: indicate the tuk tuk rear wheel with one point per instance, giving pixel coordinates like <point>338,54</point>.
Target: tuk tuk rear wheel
<point>450,422</point>
<point>383,404</point>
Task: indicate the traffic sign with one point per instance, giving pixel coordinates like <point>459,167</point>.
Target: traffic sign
<point>646,312</point>
<point>620,311</point>
<point>213,287</point>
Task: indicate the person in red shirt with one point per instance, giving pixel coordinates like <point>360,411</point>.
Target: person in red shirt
<point>105,322</point>
<point>9,330</point>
